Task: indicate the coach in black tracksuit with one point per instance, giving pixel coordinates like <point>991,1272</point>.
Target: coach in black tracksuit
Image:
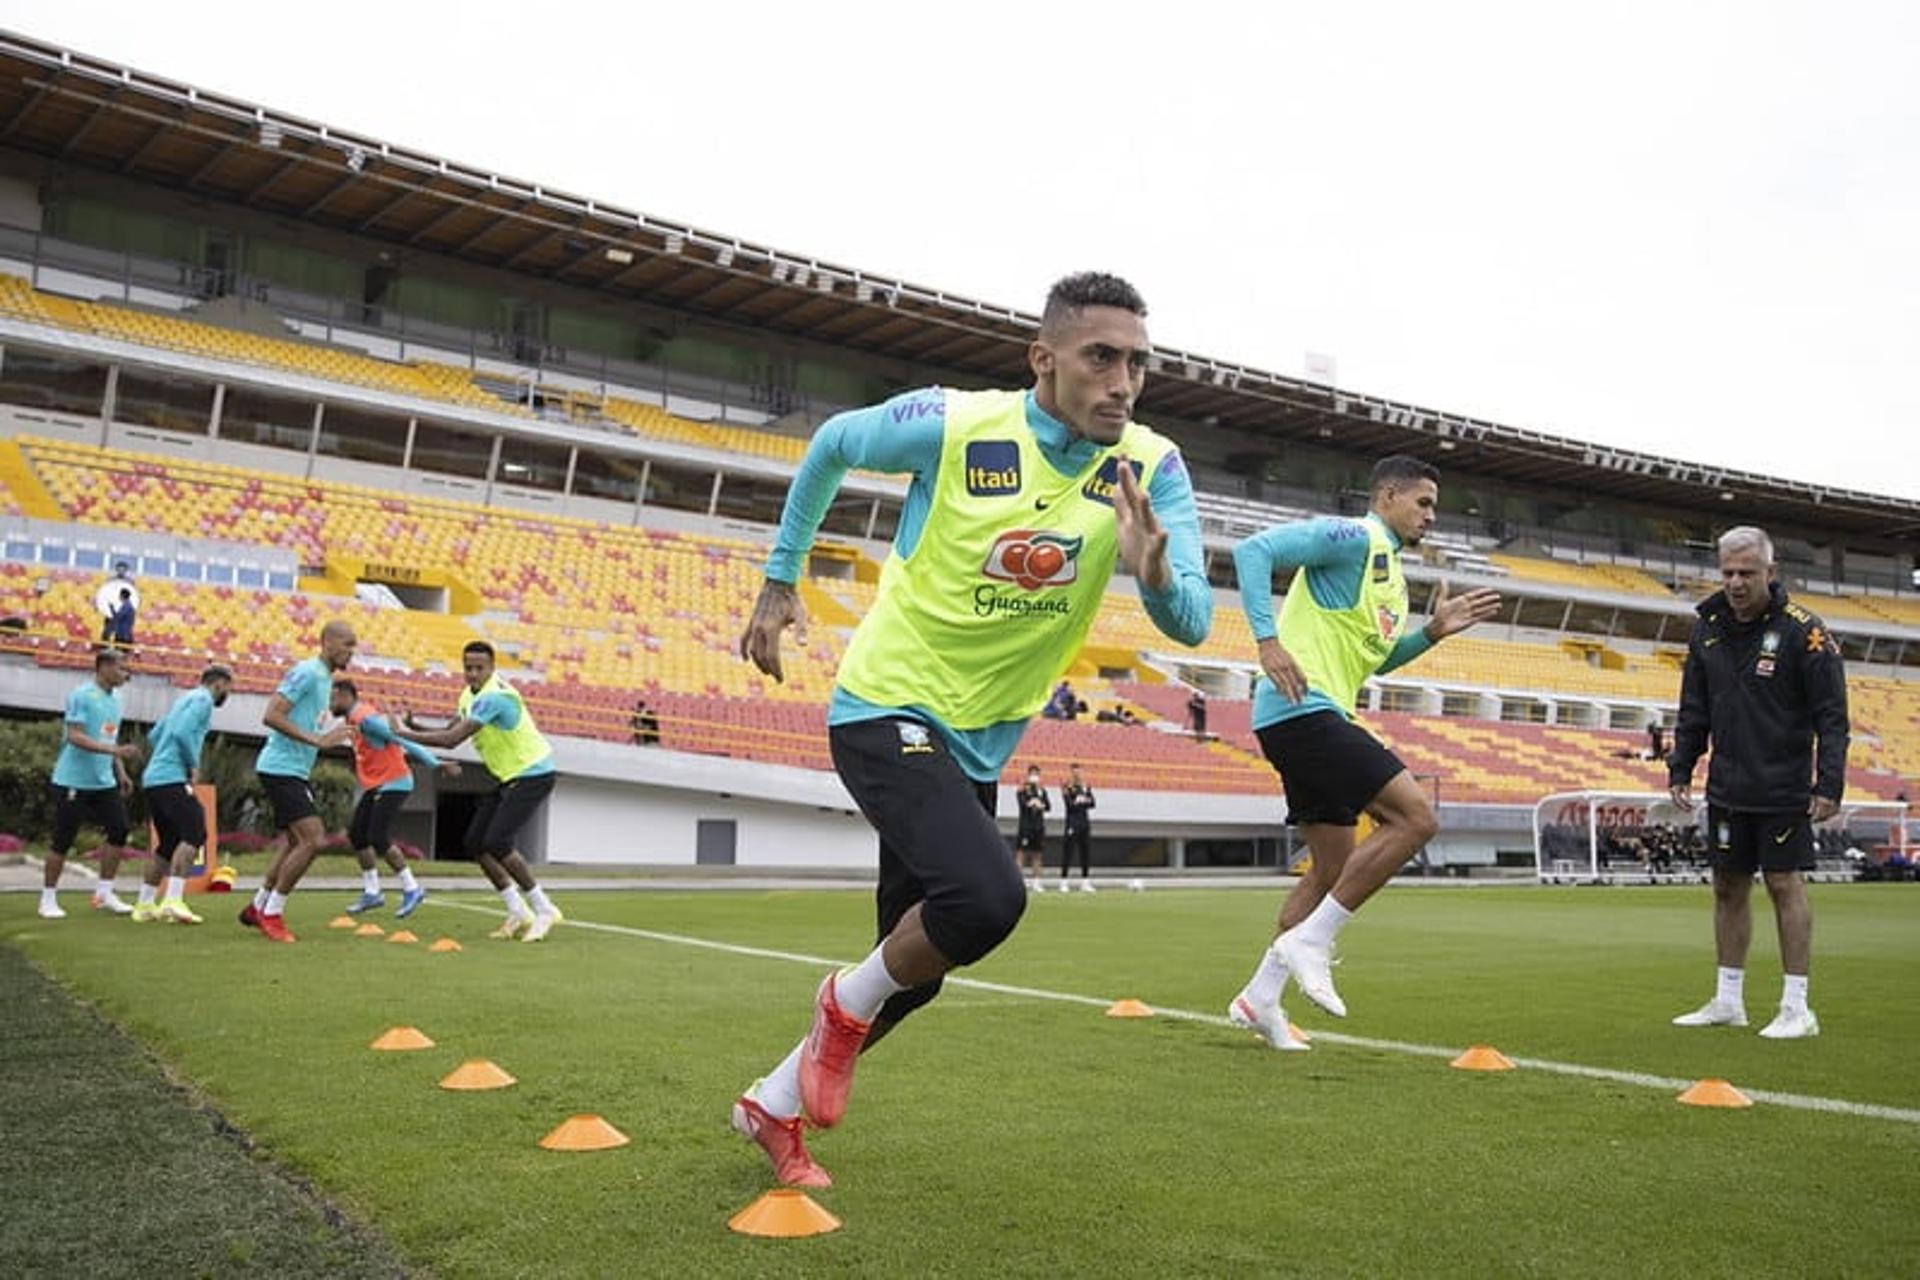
<point>1077,796</point>
<point>1764,682</point>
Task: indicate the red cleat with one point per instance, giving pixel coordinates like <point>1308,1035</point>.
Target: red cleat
<point>275,927</point>
<point>828,1056</point>
<point>781,1140</point>
<point>250,916</point>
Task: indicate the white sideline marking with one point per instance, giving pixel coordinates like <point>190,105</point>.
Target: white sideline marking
<point>1671,1084</point>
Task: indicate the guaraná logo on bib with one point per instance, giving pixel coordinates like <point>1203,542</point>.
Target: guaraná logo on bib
<point>1034,559</point>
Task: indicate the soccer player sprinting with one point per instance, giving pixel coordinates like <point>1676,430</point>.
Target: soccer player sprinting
<point>1344,619</point>
<point>380,759</point>
<point>1020,505</point>
<point>179,823</point>
<point>90,782</point>
<point>495,716</point>
<point>285,768</point>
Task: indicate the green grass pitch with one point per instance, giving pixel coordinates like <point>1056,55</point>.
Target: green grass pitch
<point>1000,1134</point>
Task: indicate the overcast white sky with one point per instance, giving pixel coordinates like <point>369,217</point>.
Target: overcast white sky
<point>1689,228</point>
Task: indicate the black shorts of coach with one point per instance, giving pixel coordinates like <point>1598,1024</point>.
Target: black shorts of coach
<point>73,806</point>
<point>1741,843</point>
<point>1331,767</point>
<point>939,844</point>
<point>371,826</point>
<point>291,798</point>
<point>177,818</point>
<point>499,818</point>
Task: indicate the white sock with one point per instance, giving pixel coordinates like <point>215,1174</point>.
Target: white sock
<point>370,880</point>
<point>862,989</point>
<point>541,903</point>
<point>1324,925</point>
<point>407,883</point>
<point>176,887</point>
<point>515,905</point>
<point>47,898</point>
<point>105,888</point>
<point>1793,995</point>
<point>260,898</point>
<point>1730,987</point>
<point>1268,980</point>
<point>276,904</point>
<point>779,1093</point>
<point>146,893</point>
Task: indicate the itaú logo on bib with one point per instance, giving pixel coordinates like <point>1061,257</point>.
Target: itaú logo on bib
<point>1034,559</point>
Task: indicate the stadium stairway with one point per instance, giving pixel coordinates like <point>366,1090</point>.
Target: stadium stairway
<point>28,497</point>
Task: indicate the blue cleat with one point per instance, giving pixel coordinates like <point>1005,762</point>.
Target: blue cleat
<point>410,902</point>
<point>368,902</point>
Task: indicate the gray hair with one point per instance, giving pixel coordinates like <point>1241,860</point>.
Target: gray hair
<point>1745,536</point>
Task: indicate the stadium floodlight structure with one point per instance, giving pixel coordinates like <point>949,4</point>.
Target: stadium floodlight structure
<point>1569,826</point>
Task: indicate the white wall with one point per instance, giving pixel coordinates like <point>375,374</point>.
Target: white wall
<point>598,820</point>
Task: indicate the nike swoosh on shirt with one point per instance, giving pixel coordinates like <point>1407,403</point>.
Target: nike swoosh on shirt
<point>1041,504</point>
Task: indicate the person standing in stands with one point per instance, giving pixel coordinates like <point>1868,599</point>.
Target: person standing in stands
<point>285,769</point>
<point>1197,714</point>
<point>380,765</point>
<point>494,715</point>
<point>1077,798</point>
<point>1764,683</point>
<point>1030,830</point>
<point>121,621</point>
<point>106,598</point>
<point>1021,504</point>
<point>90,782</point>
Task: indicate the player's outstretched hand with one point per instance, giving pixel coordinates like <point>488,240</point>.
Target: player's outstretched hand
<point>1453,614</point>
<point>451,768</point>
<point>778,608</point>
<point>338,736</point>
<point>1287,677</point>
<point>1682,795</point>
<point>1143,543</point>
<point>128,751</point>
<point>1822,808</point>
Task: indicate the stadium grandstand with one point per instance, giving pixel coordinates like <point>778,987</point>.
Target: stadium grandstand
<point>292,373</point>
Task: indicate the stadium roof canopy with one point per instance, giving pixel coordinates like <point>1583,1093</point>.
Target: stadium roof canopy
<point>88,112</point>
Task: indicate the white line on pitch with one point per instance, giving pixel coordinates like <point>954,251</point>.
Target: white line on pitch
<point>1798,1101</point>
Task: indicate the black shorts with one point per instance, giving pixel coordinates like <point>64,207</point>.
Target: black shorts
<point>498,818</point>
<point>939,844</point>
<point>177,818</point>
<point>291,798</point>
<point>373,820</point>
<point>72,806</point>
<point>1331,767</point>
<point>1741,843</point>
<point>1030,839</point>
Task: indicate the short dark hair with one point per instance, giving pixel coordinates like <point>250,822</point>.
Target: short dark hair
<point>126,593</point>
<point>347,687</point>
<point>478,646</point>
<point>215,672</point>
<point>1401,468</point>
<point>104,658</point>
<point>1083,289</point>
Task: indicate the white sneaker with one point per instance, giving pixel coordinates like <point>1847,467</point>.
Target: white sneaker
<point>1791,1024</point>
<point>1034,886</point>
<point>111,902</point>
<point>1714,1013</point>
<point>1270,1024</point>
<point>52,912</point>
<point>512,926</point>
<point>1086,886</point>
<point>1311,968</point>
<point>543,922</point>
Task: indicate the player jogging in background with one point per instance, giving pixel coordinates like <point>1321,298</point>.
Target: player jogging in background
<point>173,764</point>
<point>1020,506</point>
<point>285,768</point>
<point>380,764</point>
<point>495,716</point>
<point>90,782</point>
<point>1344,620</point>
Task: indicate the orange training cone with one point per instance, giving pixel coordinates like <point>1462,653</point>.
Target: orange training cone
<point>783,1213</point>
<point>1128,1009</point>
<point>1482,1057</point>
<point>477,1073</point>
<point>402,1038</point>
<point>584,1133</point>
<point>340,922</point>
<point>402,935</point>
<point>446,944</point>
<point>1715,1093</point>
<point>368,931</point>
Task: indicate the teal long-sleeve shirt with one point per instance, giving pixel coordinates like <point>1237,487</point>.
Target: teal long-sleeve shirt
<point>904,436</point>
<point>1332,553</point>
